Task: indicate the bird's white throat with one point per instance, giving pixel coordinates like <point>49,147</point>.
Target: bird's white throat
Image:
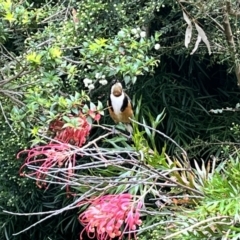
<point>117,102</point>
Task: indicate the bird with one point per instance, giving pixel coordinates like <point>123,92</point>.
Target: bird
<point>120,106</point>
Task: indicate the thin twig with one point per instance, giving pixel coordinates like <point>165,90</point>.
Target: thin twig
<point>6,119</point>
<point>20,74</point>
<point>70,206</point>
<point>162,134</point>
<point>171,180</point>
<point>190,228</point>
<point>71,61</point>
<point>13,98</point>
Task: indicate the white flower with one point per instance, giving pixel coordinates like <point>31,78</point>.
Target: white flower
<point>137,35</point>
<point>91,86</point>
<point>97,75</point>
<point>103,82</point>
<point>157,46</point>
<point>134,31</point>
<point>121,33</point>
<point>103,76</point>
<point>87,81</point>
<point>143,34</point>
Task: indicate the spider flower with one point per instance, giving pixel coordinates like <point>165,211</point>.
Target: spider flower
<point>43,158</point>
<point>75,136</point>
<point>110,216</point>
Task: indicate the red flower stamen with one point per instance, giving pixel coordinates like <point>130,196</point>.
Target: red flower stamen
<point>57,154</point>
<point>75,136</point>
<point>47,157</point>
<point>106,215</point>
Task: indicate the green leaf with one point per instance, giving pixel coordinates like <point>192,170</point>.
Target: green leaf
<point>93,106</point>
<point>126,79</point>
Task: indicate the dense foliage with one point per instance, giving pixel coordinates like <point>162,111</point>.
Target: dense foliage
<point>180,172</point>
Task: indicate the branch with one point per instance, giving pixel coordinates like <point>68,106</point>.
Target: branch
<point>216,22</point>
<point>230,40</point>
<point>13,98</point>
<point>71,61</point>
<point>171,180</point>
<point>28,84</point>
<point>6,119</point>
<point>228,31</point>
<point>19,94</point>
<point>232,12</point>
<point>70,206</point>
<point>190,228</point>
<point>162,134</point>
<point>20,74</point>
<point>52,17</point>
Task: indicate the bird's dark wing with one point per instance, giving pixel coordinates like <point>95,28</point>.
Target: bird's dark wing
<point>126,101</point>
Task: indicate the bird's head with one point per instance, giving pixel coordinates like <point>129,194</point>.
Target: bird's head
<point>116,89</point>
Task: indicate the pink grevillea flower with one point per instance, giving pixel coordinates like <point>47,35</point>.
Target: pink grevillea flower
<point>111,216</point>
<point>57,154</point>
<point>45,157</point>
<point>75,136</point>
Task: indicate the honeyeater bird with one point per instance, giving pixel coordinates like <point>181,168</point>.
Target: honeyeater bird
<point>120,106</point>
